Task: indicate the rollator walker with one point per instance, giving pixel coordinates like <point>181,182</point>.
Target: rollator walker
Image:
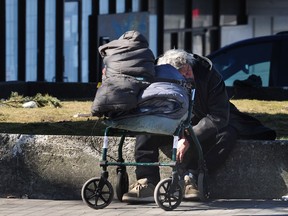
<point>98,192</point>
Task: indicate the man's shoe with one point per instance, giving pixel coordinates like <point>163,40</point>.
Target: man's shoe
<point>141,191</point>
<point>191,192</point>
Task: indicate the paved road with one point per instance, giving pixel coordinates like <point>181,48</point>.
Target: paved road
<point>36,207</point>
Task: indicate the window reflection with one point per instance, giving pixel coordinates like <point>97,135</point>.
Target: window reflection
<point>50,18</point>
<point>31,40</point>
<point>11,40</point>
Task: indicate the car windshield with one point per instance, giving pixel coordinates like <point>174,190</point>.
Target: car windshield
<point>239,63</point>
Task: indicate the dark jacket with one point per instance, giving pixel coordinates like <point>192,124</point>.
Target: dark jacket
<point>249,127</point>
<point>211,109</point>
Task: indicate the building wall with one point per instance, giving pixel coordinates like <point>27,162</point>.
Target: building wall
<point>265,17</point>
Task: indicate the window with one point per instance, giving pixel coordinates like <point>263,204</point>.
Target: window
<point>239,63</point>
<point>11,40</point>
<point>260,69</point>
<point>50,17</point>
<point>31,40</point>
<point>86,11</point>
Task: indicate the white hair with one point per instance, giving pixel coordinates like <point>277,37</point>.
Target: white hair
<point>176,57</point>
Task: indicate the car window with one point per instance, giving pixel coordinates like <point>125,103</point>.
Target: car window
<point>240,63</point>
<point>260,69</point>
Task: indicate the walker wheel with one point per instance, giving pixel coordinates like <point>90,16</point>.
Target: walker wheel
<point>165,198</point>
<point>122,184</point>
<point>97,193</point>
<point>203,186</point>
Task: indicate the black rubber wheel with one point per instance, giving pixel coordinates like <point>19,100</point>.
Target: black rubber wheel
<point>122,184</point>
<point>97,193</point>
<point>203,186</point>
<point>164,198</point>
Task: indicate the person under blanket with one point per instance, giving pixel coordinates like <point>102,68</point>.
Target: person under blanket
<point>215,123</point>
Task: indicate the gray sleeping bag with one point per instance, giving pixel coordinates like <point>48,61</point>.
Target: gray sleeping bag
<point>129,69</point>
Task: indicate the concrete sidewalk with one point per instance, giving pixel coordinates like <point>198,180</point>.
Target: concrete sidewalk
<point>36,207</point>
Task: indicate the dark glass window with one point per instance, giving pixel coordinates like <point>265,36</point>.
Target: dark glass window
<point>241,62</point>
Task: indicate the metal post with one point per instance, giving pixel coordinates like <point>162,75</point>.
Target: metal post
<point>242,14</point>
<point>128,6</point>
<point>22,40</point>
<point>41,41</point>
<point>160,26</point>
<point>93,58</point>
<point>59,62</point>
<point>112,6</point>
<point>188,25</point>
<point>79,41</point>
<point>215,34</point>
<point>3,40</point>
<point>144,5</point>
<point>174,40</point>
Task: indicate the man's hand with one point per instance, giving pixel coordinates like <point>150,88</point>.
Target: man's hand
<point>183,146</point>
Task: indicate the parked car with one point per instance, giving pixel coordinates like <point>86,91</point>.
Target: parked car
<point>261,61</point>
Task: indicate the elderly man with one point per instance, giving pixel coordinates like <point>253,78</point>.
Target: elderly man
<point>210,123</point>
